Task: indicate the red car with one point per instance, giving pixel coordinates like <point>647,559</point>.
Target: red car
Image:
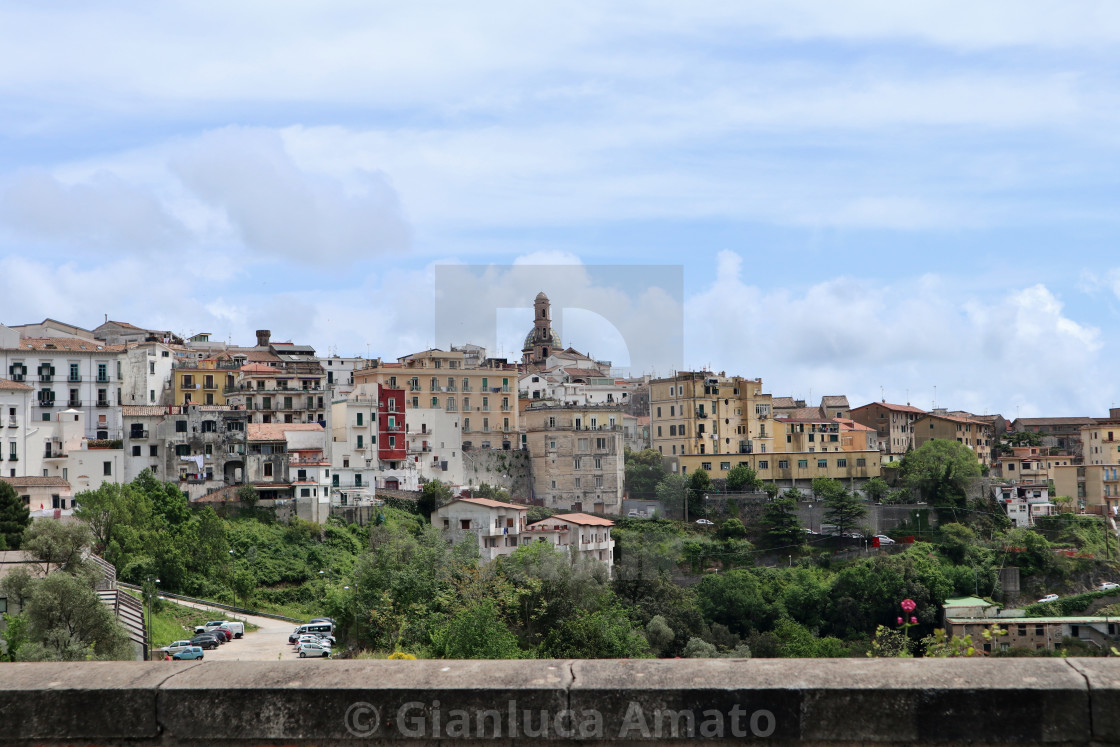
<point>222,634</point>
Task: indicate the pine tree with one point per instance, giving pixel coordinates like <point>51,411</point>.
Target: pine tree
<point>14,517</point>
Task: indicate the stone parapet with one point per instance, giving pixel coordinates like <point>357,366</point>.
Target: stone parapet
<point>693,701</point>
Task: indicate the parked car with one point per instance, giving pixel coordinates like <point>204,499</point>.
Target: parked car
<point>238,628</point>
<point>323,620</point>
<point>191,652</point>
<point>221,634</point>
<point>853,535</point>
<point>176,646</point>
<point>1049,598</point>
<point>208,626</point>
<point>884,540</point>
<point>206,641</point>
<point>830,529</point>
<point>705,522</point>
<point>311,648</point>
<point>1108,586</point>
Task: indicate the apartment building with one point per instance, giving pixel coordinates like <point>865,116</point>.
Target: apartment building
<point>281,459</point>
<point>576,456</point>
<point>481,394</point>
<point>16,425</point>
<point>586,536</point>
<point>1024,502</point>
<point>893,424</point>
<point>1063,433</point>
<point>203,382</point>
<point>1100,441</point>
<point>1030,464</point>
<point>67,372</point>
<point>977,435</point>
<point>278,394</point>
<point>1095,487</point>
<point>147,373</point>
<point>496,527</point>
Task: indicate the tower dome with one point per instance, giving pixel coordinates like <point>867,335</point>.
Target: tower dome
<point>542,339</point>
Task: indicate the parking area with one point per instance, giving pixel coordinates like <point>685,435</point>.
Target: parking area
<point>268,643</point>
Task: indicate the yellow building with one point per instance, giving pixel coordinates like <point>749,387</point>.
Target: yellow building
<point>977,435</point>
<point>482,392</point>
<point>1094,487</point>
<point>699,420</point>
<point>1100,442</point>
<point>203,382</point>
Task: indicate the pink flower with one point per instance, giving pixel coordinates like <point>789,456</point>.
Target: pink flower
<point>900,621</point>
<point>913,620</point>
<point>909,605</point>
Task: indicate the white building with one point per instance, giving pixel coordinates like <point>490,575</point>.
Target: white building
<point>72,372</point>
<point>497,527</point>
<point>1024,503</point>
<point>352,448</point>
<point>146,374</point>
<point>589,536</point>
<point>16,449</point>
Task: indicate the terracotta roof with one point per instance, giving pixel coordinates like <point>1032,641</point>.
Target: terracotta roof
<point>786,402</point>
<point>14,386</point>
<point>581,519</point>
<point>127,325</point>
<point>140,411</point>
<point>1076,420</point>
<point>891,406</point>
<point>36,482</point>
<point>488,503</point>
<point>257,355</point>
<point>852,425</point>
<point>576,371</point>
<point>259,368</point>
<point>71,344</point>
<point>276,431</point>
<point>805,413</point>
<point>834,400</point>
<point>957,420</point>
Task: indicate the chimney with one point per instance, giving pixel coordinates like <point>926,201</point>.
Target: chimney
<point>262,337</point>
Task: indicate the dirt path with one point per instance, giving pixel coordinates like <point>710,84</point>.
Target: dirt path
<point>268,643</point>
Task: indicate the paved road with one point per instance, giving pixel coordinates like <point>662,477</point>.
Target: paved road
<point>268,643</point>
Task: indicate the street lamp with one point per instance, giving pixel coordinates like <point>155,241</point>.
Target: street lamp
<point>148,627</point>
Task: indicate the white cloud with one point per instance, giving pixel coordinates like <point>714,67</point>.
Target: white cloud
<point>851,336</point>
<point>276,207</point>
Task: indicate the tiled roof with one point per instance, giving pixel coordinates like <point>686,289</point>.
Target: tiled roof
<point>837,400</point>
<point>488,503</point>
<point>1076,420</point>
<point>257,356</point>
<point>894,407</point>
<point>852,425</point>
<point>259,368</point>
<point>14,386</point>
<point>71,344</point>
<point>581,519</point>
<point>785,402</point>
<point>804,413</point>
<point>276,431</point>
<point>954,419</point>
<point>142,411</point>
<point>36,482</point>
<point>126,325</point>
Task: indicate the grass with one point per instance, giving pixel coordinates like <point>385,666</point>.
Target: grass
<point>175,622</point>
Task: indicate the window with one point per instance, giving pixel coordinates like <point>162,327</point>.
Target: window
<point>106,468</point>
<point>268,469</point>
<point>822,463</point>
<point>841,462</point>
<point>601,443</point>
<point>598,481</point>
<point>802,463</point>
<point>74,374</point>
<point>706,466</point>
<point>360,444</point>
<point>577,482</point>
<point>582,444</point>
<point>764,464</point>
<point>180,426</point>
<point>659,431</point>
<point>575,462</point>
<point>658,412</point>
<point>136,450</point>
<point>725,466</point>
<point>861,462</point>
<point>153,450</point>
<point>672,430</point>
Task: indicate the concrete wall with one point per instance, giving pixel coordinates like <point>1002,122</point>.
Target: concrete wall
<point>704,701</point>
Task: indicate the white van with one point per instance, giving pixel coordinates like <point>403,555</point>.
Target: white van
<point>237,628</point>
<point>317,627</point>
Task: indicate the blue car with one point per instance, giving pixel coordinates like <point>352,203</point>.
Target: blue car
<point>191,652</point>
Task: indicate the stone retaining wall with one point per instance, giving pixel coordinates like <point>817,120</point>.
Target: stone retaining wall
<point>702,701</point>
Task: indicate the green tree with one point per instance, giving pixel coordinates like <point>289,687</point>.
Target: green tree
<point>844,509</point>
<point>736,599</point>
<point>876,489</point>
<point>940,471</point>
<point>644,470</point>
<point>14,517</point>
<point>433,495</point>
<point>826,487</point>
<point>672,491</point>
<point>780,523</point>
<point>743,479</point>
<point>66,621</point>
<point>58,545</point>
<point>493,492</point>
<point>659,634</point>
<point>699,483</point>
<point>603,634</point>
<point>247,495</point>
<point>476,632</point>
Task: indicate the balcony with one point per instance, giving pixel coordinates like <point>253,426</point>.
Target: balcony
<point>138,434</point>
<point>54,454</point>
<point>73,403</point>
<point>701,414</point>
<point>13,424</point>
<point>73,379</point>
<point>103,403</point>
<point>102,379</point>
<point>46,377</point>
<point>45,402</point>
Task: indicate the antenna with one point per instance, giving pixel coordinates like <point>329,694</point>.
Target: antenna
<point>934,397</point>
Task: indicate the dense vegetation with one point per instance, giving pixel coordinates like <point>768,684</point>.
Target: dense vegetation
<point>754,583</point>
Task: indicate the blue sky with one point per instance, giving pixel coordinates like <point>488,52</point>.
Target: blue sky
<point>865,197</point>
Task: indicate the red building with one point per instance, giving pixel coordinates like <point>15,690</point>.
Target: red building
<point>391,441</point>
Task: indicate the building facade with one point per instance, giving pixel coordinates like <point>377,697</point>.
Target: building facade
<point>576,456</point>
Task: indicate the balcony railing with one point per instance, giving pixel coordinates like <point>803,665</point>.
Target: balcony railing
<point>138,434</point>
<point>46,377</point>
<point>45,402</point>
<point>73,403</point>
<point>102,403</point>
<point>13,424</point>
<point>102,379</point>
<point>73,378</point>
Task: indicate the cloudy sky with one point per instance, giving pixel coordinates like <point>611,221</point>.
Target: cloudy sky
<point>869,198</point>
